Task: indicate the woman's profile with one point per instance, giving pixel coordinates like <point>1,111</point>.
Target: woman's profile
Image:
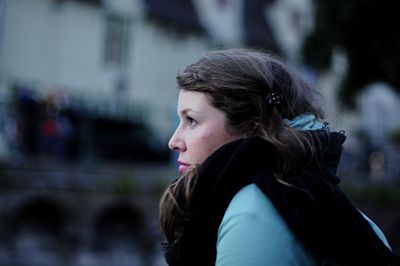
<point>258,182</point>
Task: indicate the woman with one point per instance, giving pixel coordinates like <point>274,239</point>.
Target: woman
<point>258,183</point>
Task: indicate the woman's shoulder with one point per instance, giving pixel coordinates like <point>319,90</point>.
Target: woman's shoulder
<point>251,215</point>
<point>377,230</point>
<point>253,233</point>
<point>252,201</point>
<point>250,205</point>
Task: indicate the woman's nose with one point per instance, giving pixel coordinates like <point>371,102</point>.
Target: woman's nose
<point>175,142</point>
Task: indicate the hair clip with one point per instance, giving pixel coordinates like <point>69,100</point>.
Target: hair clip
<point>274,98</point>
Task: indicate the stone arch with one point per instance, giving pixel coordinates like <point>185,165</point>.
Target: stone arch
<point>119,224</point>
<point>43,214</point>
<point>39,224</point>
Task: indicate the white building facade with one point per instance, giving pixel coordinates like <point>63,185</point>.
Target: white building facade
<point>114,59</point>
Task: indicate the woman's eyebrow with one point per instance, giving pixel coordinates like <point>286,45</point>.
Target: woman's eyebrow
<point>186,110</point>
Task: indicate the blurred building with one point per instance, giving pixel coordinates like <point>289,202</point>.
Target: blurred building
<point>103,55</point>
<point>118,59</point>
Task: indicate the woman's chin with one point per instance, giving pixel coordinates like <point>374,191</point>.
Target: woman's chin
<point>183,168</point>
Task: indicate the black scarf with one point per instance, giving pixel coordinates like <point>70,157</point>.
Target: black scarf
<point>314,208</point>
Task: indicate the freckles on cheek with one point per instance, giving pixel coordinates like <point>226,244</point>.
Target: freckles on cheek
<point>214,140</point>
<point>208,144</point>
<point>208,137</point>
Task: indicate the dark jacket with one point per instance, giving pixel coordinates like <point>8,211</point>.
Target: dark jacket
<point>313,206</point>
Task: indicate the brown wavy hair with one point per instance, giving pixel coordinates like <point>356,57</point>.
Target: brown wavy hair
<point>237,82</point>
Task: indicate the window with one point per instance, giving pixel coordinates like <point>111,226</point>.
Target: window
<point>117,40</point>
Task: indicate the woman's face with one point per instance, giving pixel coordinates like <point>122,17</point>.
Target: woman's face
<point>201,129</point>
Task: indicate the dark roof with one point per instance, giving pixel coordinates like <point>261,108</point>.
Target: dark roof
<point>258,32</point>
<point>180,13</point>
<point>90,2</point>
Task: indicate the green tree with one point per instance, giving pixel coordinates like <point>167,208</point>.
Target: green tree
<point>368,31</point>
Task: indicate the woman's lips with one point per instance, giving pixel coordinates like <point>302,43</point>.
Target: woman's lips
<point>183,167</point>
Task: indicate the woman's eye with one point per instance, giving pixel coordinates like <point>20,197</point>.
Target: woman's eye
<point>190,121</point>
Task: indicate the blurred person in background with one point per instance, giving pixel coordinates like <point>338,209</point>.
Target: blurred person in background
<point>258,182</point>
